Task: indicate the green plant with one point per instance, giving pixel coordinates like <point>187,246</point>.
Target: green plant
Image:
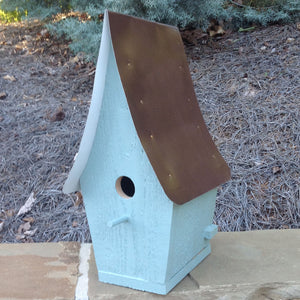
<point>84,35</point>
<point>10,16</point>
<point>85,32</point>
<point>263,12</point>
<point>35,8</point>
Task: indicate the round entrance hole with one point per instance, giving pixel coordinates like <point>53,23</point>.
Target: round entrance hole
<point>125,187</point>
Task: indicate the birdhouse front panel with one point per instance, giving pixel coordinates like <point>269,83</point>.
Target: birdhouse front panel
<point>119,185</point>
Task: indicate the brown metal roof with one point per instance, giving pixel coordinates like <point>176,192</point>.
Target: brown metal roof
<point>164,108</point>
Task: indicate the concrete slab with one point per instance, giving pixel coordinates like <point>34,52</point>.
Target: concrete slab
<point>38,271</point>
<point>251,257</point>
<point>243,265</point>
<point>255,265</point>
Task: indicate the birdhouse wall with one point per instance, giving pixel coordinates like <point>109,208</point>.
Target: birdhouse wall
<point>139,247</point>
<point>187,241</point>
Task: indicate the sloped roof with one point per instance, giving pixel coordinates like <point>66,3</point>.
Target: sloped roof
<point>164,108</point>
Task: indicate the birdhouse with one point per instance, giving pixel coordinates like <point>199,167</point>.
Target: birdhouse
<point>147,167</point>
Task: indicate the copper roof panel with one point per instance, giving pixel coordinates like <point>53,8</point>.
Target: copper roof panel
<point>161,98</point>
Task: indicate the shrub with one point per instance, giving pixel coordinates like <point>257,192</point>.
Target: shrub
<point>85,36</point>
<point>85,33</point>
<point>263,12</point>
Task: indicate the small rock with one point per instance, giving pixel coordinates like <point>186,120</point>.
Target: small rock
<point>290,40</point>
<point>9,77</point>
<point>273,50</point>
<point>263,48</point>
<point>24,227</point>
<point>30,232</point>
<point>45,33</point>
<point>20,237</point>
<point>3,95</point>
<point>29,219</point>
<point>28,38</point>
<point>276,170</point>
<point>9,213</point>
<point>59,115</point>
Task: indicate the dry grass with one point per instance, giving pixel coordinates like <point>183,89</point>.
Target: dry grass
<point>249,92</point>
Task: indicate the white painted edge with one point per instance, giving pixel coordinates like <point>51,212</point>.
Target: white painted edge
<point>82,287</point>
<point>72,183</point>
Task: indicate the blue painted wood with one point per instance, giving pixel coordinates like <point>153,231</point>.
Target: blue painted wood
<point>118,221</point>
<point>144,240</point>
<point>72,183</point>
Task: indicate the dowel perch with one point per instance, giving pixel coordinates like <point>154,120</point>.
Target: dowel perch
<point>118,221</point>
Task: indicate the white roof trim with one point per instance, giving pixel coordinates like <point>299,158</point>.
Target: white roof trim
<point>72,183</point>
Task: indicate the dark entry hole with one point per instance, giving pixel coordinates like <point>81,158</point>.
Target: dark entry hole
<point>125,187</point>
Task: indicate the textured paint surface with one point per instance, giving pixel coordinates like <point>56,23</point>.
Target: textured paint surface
<point>72,183</point>
<point>187,231</point>
<point>132,236</point>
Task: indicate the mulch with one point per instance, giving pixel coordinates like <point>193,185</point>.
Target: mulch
<point>248,87</point>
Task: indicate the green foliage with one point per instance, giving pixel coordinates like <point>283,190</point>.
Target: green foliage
<point>85,33</point>
<point>10,16</point>
<point>85,36</point>
<point>265,3</point>
<point>35,8</point>
<point>173,12</point>
<point>264,12</point>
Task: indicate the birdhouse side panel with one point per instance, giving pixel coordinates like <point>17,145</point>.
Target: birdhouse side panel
<point>188,228</point>
<point>128,213</point>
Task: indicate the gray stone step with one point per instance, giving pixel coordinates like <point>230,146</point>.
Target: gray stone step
<point>242,265</point>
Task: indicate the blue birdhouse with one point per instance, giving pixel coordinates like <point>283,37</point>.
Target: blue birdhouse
<point>147,167</point>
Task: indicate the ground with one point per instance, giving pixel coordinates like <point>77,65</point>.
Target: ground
<point>248,87</point>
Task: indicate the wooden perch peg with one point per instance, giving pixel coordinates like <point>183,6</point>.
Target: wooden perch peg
<point>118,221</point>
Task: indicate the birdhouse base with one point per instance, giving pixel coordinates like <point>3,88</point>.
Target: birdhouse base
<point>154,287</point>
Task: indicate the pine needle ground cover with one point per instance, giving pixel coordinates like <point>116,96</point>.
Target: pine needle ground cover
<point>248,89</point>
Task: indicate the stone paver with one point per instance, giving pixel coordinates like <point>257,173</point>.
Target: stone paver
<point>252,265</point>
<point>38,271</point>
<point>251,257</point>
<point>255,265</point>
